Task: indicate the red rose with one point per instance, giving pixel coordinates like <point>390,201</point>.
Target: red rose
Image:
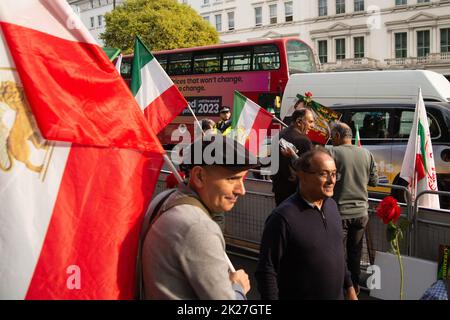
<point>308,94</point>
<point>388,210</point>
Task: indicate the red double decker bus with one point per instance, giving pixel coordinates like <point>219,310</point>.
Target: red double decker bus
<point>208,76</point>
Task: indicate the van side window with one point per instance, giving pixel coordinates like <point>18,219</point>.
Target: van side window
<point>371,124</point>
<point>406,121</point>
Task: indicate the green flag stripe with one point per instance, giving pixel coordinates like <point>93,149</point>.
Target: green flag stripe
<point>142,56</point>
<point>238,106</point>
<point>421,132</point>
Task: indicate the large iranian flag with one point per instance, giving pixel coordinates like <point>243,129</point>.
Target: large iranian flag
<point>70,212</point>
<point>155,92</point>
<point>250,122</point>
<point>418,167</point>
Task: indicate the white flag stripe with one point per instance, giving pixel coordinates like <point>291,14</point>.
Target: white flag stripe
<point>33,14</point>
<point>247,117</point>
<point>408,171</point>
<point>154,82</point>
<point>24,213</point>
<point>119,62</point>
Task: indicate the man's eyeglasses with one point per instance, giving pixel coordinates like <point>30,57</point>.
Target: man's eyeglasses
<point>325,174</point>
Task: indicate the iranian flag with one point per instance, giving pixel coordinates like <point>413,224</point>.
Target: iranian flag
<point>418,167</point>
<point>154,91</point>
<point>71,209</point>
<point>250,122</point>
<point>357,138</point>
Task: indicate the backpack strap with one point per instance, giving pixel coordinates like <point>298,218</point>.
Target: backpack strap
<point>154,215</point>
<point>190,200</point>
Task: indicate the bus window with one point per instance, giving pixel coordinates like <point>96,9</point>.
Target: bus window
<point>180,63</point>
<point>162,60</point>
<point>237,60</point>
<point>207,63</point>
<point>266,57</point>
<point>300,57</point>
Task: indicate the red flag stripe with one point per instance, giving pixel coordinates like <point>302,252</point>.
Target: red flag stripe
<point>262,121</point>
<point>420,169</point>
<point>165,108</point>
<point>70,86</point>
<point>96,231</point>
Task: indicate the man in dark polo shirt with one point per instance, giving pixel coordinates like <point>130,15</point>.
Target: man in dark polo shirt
<point>301,253</point>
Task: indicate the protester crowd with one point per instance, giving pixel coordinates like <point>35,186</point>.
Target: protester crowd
<point>311,243</point>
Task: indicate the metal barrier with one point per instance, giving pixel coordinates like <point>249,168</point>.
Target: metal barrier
<point>431,226</point>
<point>245,223</point>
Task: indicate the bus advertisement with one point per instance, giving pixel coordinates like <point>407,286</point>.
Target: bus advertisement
<point>208,76</point>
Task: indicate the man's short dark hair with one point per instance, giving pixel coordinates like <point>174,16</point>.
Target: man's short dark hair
<point>304,162</point>
<point>344,130</point>
<point>207,124</point>
<point>299,113</point>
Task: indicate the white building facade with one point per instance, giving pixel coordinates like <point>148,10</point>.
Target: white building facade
<point>92,14</point>
<point>345,34</point>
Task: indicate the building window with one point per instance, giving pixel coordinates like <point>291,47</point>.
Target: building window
<point>100,20</point>
<point>288,11</point>
<point>273,13</point>
<point>258,16</point>
<point>340,6</point>
<point>359,5</point>
<point>423,43</point>
<point>230,20</point>
<point>206,18</point>
<point>323,51</point>
<point>340,49</point>
<point>401,45</point>
<point>423,1</point>
<point>205,2</point>
<point>445,40</point>
<point>358,43</point>
<point>323,8</point>
<point>400,2</point>
<point>218,22</point>
<point>92,22</point>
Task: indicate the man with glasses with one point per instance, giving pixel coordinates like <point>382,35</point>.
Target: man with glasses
<point>358,170</point>
<point>301,253</point>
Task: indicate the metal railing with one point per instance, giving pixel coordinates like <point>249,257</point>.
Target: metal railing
<point>426,227</point>
<point>434,231</point>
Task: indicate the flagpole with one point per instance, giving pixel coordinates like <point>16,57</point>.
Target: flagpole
<point>196,120</point>
<point>284,124</point>
<point>172,168</point>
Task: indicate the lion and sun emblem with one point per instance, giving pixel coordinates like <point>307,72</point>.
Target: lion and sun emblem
<point>18,132</point>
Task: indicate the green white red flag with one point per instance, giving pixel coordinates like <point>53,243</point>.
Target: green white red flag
<point>418,167</point>
<point>154,91</point>
<point>357,138</point>
<point>250,122</point>
<point>70,211</point>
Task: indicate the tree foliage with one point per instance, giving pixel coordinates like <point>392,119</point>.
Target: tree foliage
<point>161,24</point>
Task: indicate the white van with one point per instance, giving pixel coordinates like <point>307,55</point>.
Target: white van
<point>334,88</point>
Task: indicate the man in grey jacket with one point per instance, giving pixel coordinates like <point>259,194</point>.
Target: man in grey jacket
<point>356,170</point>
<point>183,254</point>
